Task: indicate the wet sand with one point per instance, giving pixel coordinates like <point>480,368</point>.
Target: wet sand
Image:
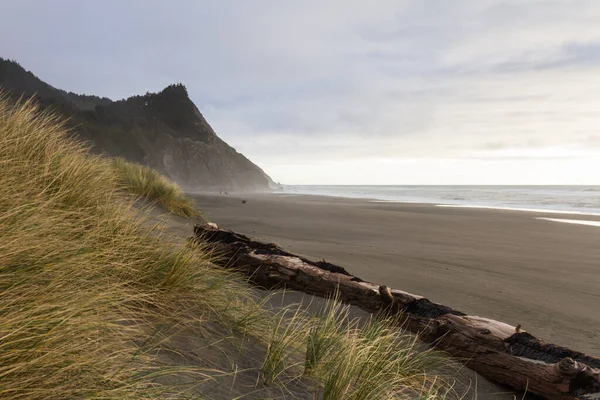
<point>505,265</point>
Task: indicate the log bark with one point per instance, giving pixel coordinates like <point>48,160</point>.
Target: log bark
<point>500,352</point>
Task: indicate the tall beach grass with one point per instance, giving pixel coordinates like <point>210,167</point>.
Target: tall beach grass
<point>83,280</point>
<point>148,183</point>
<point>89,292</point>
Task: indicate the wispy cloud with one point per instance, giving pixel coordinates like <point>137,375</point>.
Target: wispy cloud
<point>300,86</point>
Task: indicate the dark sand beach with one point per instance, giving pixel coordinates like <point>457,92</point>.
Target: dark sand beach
<point>505,265</point>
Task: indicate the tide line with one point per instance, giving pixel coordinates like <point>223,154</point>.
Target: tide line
<point>536,210</point>
<point>572,221</point>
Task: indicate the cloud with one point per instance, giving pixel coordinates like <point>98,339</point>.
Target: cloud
<point>295,85</point>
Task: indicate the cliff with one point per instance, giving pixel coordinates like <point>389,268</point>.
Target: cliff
<point>164,130</point>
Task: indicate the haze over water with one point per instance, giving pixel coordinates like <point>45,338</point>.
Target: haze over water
<point>564,199</point>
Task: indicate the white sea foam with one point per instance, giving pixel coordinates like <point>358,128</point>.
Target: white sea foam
<point>396,201</point>
<point>572,221</point>
<point>536,210</point>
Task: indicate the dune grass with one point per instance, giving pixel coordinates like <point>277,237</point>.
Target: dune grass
<point>84,282</point>
<point>89,292</point>
<point>148,183</point>
<point>357,359</point>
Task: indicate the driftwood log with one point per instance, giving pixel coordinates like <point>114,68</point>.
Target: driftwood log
<point>500,352</point>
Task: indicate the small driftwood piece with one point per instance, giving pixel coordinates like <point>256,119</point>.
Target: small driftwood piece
<point>500,352</point>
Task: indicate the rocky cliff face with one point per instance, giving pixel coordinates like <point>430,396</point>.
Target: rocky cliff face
<point>164,130</point>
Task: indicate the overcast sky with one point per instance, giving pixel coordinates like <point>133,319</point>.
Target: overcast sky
<point>343,91</point>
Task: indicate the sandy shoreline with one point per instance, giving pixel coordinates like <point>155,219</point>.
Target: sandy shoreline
<point>506,265</point>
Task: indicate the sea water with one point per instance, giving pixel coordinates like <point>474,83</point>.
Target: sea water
<point>563,199</point>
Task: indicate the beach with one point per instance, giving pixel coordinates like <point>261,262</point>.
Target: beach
<point>511,266</point>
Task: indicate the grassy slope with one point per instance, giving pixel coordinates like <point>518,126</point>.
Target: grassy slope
<point>91,298</point>
<point>145,182</point>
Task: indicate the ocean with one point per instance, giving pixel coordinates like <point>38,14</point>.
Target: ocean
<point>562,199</point>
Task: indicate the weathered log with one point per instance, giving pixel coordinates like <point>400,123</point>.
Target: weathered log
<point>500,352</point>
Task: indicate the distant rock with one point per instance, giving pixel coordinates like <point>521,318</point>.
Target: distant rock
<point>163,130</point>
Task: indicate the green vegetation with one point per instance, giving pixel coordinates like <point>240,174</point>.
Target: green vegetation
<point>148,183</point>
<point>356,359</point>
<point>94,300</point>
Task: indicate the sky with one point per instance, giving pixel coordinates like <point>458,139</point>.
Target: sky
<point>345,91</point>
